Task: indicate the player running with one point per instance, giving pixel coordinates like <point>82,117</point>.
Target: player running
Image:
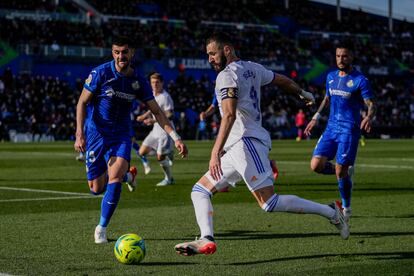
<point>241,149</point>
<point>346,92</point>
<point>109,91</point>
<point>158,140</point>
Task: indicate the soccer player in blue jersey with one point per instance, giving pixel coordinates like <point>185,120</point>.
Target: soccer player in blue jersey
<point>346,92</point>
<point>109,91</point>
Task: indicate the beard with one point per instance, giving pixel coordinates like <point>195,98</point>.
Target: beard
<point>218,67</point>
<point>344,67</point>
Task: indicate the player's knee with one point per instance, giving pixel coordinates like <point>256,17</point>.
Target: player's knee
<point>341,171</point>
<point>96,190</point>
<point>199,190</point>
<point>316,166</point>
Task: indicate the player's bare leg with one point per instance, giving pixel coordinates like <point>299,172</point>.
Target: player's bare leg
<point>320,164</point>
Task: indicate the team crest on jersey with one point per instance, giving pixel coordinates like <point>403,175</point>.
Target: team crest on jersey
<point>135,85</point>
<point>89,79</point>
<point>350,83</point>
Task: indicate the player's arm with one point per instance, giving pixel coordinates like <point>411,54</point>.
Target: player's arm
<point>228,106</point>
<point>84,99</point>
<point>315,118</point>
<point>166,125</point>
<point>144,116</point>
<point>292,87</point>
<point>207,113</point>
<point>367,120</point>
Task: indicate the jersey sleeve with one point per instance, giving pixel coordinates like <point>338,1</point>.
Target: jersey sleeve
<point>226,83</point>
<point>365,88</point>
<point>145,91</point>
<point>328,79</point>
<point>214,102</point>
<point>92,83</point>
<point>267,76</point>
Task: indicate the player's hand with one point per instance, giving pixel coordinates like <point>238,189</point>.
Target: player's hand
<point>202,116</point>
<point>149,122</point>
<point>140,118</point>
<point>307,97</point>
<point>182,148</point>
<point>309,127</point>
<point>80,144</point>
<point>366,124</point>
<point>215,166</point>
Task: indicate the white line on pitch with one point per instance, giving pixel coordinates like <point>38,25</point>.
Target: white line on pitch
<point>357,165</point>
<point>48,198</point>
<point>43,191</point>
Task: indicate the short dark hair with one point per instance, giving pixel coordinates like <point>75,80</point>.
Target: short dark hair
<point>220,38</point>
<point>157,76</point>
<point>121,41</point>
<point>345,44</point>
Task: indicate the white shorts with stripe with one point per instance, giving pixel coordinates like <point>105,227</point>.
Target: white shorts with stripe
<point>160,142</point>
<point>247,160</point>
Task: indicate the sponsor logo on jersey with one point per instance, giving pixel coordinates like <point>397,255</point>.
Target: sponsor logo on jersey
<point>135,85</point>
<point>340,93</point>
<point>350,83</point>
<point>111,93</point>
<point>254,178</point>
<point>331,81</point>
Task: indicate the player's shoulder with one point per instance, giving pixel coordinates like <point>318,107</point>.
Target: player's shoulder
<point>358,75</point>
<point>103,68</point>
<point>332,74</point>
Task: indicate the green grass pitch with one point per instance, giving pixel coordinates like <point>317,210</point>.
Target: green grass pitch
<point>47,219</point>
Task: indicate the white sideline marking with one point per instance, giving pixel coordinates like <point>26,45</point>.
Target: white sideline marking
<point>43,191</point>
<point>357,165</point>
<point>47,198</point>
<point>74,195</point>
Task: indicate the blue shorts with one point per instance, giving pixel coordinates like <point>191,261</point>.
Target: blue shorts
<point>100,149</point>
<point>342,146</point>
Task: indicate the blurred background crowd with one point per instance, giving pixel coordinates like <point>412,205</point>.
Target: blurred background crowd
<point>282,36</point>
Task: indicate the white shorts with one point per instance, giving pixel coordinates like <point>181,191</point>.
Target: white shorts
<point>246,160</point>
<point>160,142</point>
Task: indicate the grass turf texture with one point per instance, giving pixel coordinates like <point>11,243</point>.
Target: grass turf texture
<point>41,237</point>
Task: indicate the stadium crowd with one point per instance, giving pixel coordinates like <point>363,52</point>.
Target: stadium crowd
<point>46,105</point>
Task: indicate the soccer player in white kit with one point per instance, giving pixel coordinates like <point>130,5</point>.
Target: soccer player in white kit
<point>158,140</point>
<point>241,149</point>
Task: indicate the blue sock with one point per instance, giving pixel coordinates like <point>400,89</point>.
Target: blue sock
<point>329,168</point>
<point>109,202</point>
<point>135,146</point>
<point>345,189</point>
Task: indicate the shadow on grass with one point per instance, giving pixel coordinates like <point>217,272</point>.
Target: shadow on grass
<point>374,255</point>
<point>166,263</point>
<point>259,235</point>
<point>256,235</point>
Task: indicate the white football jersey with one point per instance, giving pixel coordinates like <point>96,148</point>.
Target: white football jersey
<point>165,102</point>
<point>248,77</point>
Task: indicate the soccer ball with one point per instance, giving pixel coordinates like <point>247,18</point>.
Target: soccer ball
<point>130,249</point>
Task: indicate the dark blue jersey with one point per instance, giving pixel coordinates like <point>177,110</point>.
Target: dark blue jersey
<point>113,95</point>
<point>346,95</point>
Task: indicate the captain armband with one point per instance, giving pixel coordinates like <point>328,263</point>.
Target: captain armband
<point>230,92</point>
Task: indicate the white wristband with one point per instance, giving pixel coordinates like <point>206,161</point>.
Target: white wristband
<point>316,116</point>
<point>174,135</point>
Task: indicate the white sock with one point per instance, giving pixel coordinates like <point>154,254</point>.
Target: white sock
<point>166,167</point>
<point>203,209</point>
<point>295,204</point>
